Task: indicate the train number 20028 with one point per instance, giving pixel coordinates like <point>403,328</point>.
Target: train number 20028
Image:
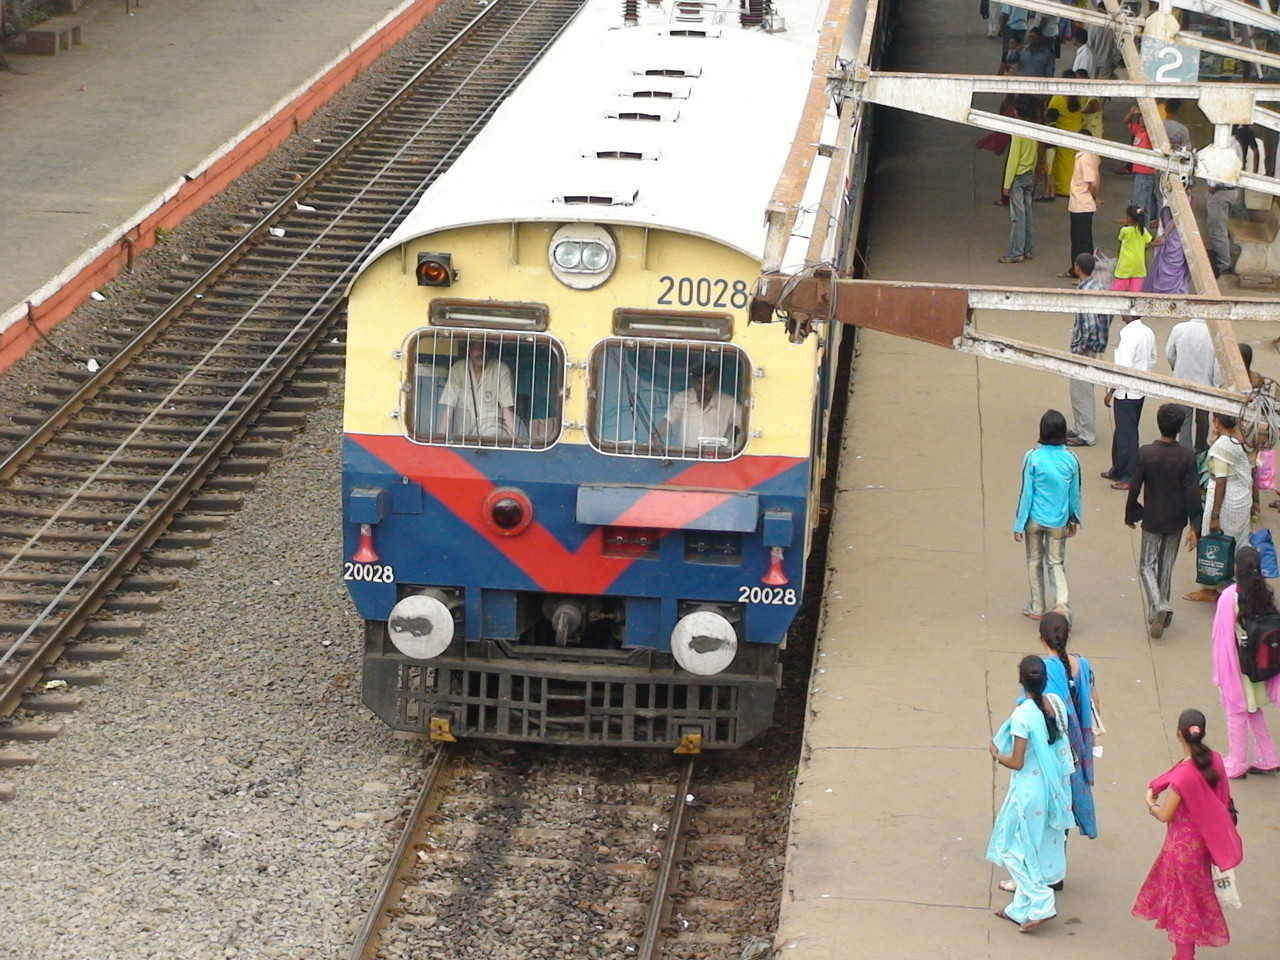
<point>369,572</point>
<point>703,292</point>
<point>767,595</point>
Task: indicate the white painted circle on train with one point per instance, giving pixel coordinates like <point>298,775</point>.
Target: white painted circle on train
<point>420,626</point>
<point>704,642</point>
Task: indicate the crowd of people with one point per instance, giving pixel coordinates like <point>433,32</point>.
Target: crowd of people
<point>1201,477</point>
<point>1048,741</point>
<point>1034,172</point>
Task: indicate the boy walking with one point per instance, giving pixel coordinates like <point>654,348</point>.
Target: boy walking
<point>1166,478</point>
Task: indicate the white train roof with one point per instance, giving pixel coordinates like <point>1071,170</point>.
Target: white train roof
<point>709,164</point>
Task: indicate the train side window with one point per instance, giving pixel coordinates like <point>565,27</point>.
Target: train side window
<point>484,388</point>
<point>675,400</point>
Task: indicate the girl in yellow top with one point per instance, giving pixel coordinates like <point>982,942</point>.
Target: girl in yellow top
<point>1131,265</point>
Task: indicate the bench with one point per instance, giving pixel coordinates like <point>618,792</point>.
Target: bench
<point>1259,238</point>
<point>51,36</point>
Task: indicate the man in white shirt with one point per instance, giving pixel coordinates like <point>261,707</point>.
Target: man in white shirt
<point>1191,355</point>
<point>1222,197</point>
<point>1084,55</point>
<point>479,399</point>
<point>1136,349</point>
<point>702,419</point>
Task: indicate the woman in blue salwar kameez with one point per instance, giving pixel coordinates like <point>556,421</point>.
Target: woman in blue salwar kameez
<point>1071,678</point>
<point>1029,835</point>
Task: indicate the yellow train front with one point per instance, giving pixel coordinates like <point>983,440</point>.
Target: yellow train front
<point>577,486</point>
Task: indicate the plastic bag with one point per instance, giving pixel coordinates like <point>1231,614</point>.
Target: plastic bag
<point>1104,270</point>
<point>1224,885</point>
<point>1261,541</point>
<point>1215,559</point>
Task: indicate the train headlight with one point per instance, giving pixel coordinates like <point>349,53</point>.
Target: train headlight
<point>595,257</point>
<point>568,254</point>
<point>420,626</point>
<point>583,255</point>
<point>704,642</point>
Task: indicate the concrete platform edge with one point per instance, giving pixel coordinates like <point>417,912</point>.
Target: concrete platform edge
<point>53,302</point>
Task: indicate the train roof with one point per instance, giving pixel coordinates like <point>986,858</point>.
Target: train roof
<point>708,165</point>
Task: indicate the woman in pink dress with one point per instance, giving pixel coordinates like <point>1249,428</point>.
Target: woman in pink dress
<point>1192,797</point>
<point>1250,748</point>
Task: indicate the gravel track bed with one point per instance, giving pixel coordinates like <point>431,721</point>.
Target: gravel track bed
<point>224,793</point>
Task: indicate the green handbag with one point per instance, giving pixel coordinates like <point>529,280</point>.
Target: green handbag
<point>1215,559</point>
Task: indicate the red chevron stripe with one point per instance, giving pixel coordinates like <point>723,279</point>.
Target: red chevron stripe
<point>462,488</point>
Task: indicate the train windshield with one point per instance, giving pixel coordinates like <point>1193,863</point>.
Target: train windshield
<point>668,399</point>
<point>484,388</point>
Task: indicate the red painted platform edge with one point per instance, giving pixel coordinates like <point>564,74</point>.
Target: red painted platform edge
<point>17,340</point>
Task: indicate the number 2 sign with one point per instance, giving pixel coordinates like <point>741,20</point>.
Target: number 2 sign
<point>1169,62</point>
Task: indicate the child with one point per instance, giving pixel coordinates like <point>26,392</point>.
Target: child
<point>1131,264</point>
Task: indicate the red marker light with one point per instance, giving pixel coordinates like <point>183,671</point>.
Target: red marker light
<point>364,551</point>
<point>774,576</point>
<point>507,511</point>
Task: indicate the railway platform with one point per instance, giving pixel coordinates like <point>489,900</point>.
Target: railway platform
<point>155,112</point>
<point>917,658</point>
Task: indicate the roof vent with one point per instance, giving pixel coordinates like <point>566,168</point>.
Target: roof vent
<point>686,72</point>
<point>600,198</point>
<point>695,34</point>
<point>620,155</point>
<point>651,114</point>
<point>657,93</point>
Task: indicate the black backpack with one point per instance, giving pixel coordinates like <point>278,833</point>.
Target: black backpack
<point>1260,648</point>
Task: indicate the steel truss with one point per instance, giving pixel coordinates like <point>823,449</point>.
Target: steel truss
<point>942,314</point>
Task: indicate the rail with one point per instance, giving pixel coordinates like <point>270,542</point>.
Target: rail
<point>660,906</point>
<point>27,448</point>
<point>268,364</point>
<point>429,796</point>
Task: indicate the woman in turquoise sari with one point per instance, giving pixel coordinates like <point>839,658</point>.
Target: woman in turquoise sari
<point>1070,677</point>
<point>1029,835</point>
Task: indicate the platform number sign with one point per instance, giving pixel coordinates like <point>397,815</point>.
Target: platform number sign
<point>1169,62</point>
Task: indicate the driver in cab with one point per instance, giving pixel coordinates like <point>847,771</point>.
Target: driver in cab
<point>701,416</point>
<point>478,398</point>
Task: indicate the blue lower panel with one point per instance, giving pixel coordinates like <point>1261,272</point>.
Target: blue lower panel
<point>436,534</point>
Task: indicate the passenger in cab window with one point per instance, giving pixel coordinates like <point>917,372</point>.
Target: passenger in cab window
<point>703,417</point>
<point>479,398</point>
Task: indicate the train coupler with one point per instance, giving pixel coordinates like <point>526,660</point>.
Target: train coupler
<point>441,729</point>
<point>690,743</point>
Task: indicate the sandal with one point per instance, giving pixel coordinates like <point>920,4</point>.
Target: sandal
<point>1009,259</point>
<point>1004,916</point>
<point>1202,596</point>
<point>1008,886</point>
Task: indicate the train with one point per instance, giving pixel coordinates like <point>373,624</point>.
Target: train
<point>579,487</point>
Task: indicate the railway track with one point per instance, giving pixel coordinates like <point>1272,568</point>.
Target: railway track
<point>104,498</point>
<point>552,854</point>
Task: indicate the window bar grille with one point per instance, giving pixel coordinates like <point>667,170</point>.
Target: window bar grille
<point>507,358</point>
<point>642,409</point>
